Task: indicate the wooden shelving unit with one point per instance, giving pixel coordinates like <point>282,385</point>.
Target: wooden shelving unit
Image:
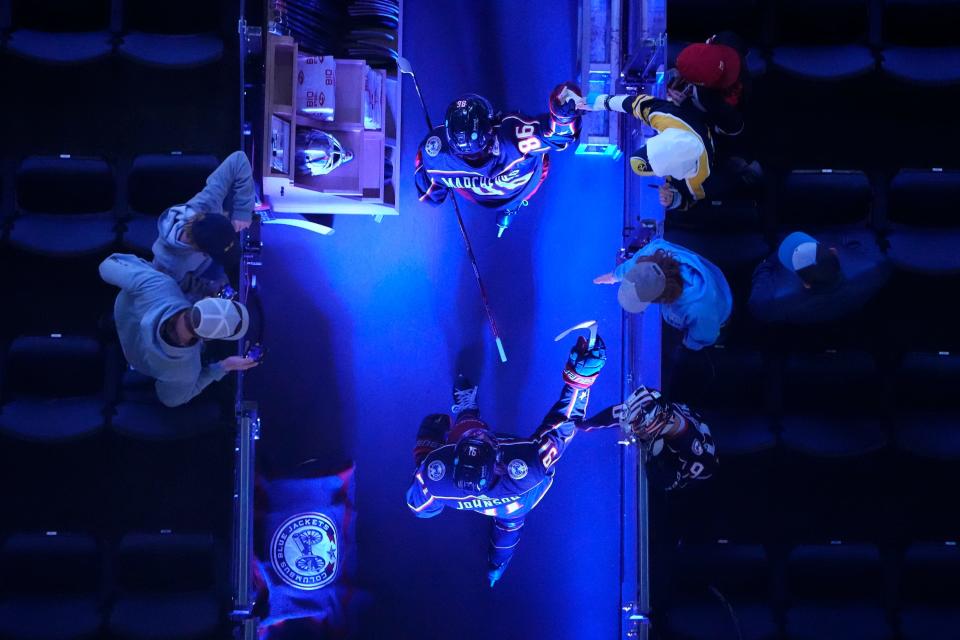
<point>356,187</point>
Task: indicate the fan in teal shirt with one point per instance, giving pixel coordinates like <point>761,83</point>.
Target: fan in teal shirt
<point>703,303</point>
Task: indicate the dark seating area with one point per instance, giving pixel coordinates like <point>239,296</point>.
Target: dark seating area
<point>116,521</point>
<point>837,440</point>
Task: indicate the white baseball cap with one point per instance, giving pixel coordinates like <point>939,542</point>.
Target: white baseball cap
<point>219,319</point>
<point>798,251</point>
<point>674,152</point>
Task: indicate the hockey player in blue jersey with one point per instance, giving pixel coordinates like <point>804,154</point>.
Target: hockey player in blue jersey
<point>465,466</point>
<point>496,161</point>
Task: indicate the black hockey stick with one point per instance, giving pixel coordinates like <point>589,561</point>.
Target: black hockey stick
<point>403,65</point>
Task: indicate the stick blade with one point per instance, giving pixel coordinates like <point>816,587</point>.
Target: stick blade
<point>503,354</point>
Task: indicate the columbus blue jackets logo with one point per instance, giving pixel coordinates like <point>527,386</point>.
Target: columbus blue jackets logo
<point>432,146</point>
<point>517,469</point>
<point>304,551</point>
<point>435,470</point>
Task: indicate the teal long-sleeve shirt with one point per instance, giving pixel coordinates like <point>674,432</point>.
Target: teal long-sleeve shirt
<point>146,300</point>
<point>230,186</point>
<point>706,301</point>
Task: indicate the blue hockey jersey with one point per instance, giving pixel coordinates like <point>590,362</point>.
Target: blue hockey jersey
<point>527,474</point>
<point>516,166</point>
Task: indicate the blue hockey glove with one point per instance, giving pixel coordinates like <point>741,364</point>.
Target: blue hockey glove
<point>584,364</point>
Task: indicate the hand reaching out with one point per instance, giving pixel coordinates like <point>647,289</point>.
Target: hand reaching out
<point>240,225</point>
<point>607,278</point>
<point>238,363</point>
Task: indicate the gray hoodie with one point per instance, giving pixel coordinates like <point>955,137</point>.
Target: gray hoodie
<point>147,299</point>
<point>198,276</point>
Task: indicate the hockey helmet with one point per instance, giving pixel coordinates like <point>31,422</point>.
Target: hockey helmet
<point>469,124</point>
<point>474,460</point>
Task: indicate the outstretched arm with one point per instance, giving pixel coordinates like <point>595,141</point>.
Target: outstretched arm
<point>173,393</point>
<point>560,424</point>
<point>233,179</point>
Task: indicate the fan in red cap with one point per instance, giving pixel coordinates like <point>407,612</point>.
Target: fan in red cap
<point>714,66</point>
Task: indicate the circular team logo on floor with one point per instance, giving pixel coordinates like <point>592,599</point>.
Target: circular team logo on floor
<point>432,146</point>
<point>304,551</point>
<point>436,470</point>
<point>517,469</point>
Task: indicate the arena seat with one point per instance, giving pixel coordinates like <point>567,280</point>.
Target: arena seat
<point>51,587</point>
<point>64,206</point>
<point>830,404</point>
<point>927,413</point>
<point>726,231</point>
<point>139,414</point>
<point>172,34</point>
<point>697,20</point>
<point>61,31</point>
<point>924,231</point>
<point>156,182</point>
<point>707,578</point>
<point>930,592</point>
<point>726,386</point>
<point>836,592</point>
<point>824,197</point>
<point>53,388</point>
<point>167,587</point>
<point>812,47</point>
<point>920,41</point>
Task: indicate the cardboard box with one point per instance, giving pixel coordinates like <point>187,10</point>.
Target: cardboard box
<point>373,100</point>
<point>316,86</point>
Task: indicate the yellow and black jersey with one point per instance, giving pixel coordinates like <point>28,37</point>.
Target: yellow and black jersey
<point>662,115</point>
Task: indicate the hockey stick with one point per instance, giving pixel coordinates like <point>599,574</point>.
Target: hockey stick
<point>403,65</point>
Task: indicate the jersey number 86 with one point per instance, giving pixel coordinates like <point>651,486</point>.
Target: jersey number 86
<point>526,141</point>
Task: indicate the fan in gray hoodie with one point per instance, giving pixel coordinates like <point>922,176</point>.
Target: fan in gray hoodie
<point>162,333</point>
<point>197,265</point>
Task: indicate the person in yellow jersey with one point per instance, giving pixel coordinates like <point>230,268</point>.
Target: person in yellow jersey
<point>683,151</point>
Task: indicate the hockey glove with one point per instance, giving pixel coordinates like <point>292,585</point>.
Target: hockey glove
<point>564,100</point>
<point>584,363</point>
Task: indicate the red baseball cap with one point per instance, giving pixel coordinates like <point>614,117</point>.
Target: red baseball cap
<point>714,66</point>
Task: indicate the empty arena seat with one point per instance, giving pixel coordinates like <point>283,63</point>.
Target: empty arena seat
<point>726,231</point>
<point>832,404</point>
<point>50,587</point>
<point>156,182</point>
<point>924,228</point>
<point>824,197</point>
<point>707,578</point>
<point>920,41</point>
<point>836,592</point>
<point>139,414</point>
<point>173,34</point>
<point>930,592</point>
<point>927,408</point>
<point>697,20</point>
<point>823,40</point>
<point>727,387</point>
<point>167,587</point>
<point>53,388</point>
<point>61,31</point>
<point>64,206</point>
